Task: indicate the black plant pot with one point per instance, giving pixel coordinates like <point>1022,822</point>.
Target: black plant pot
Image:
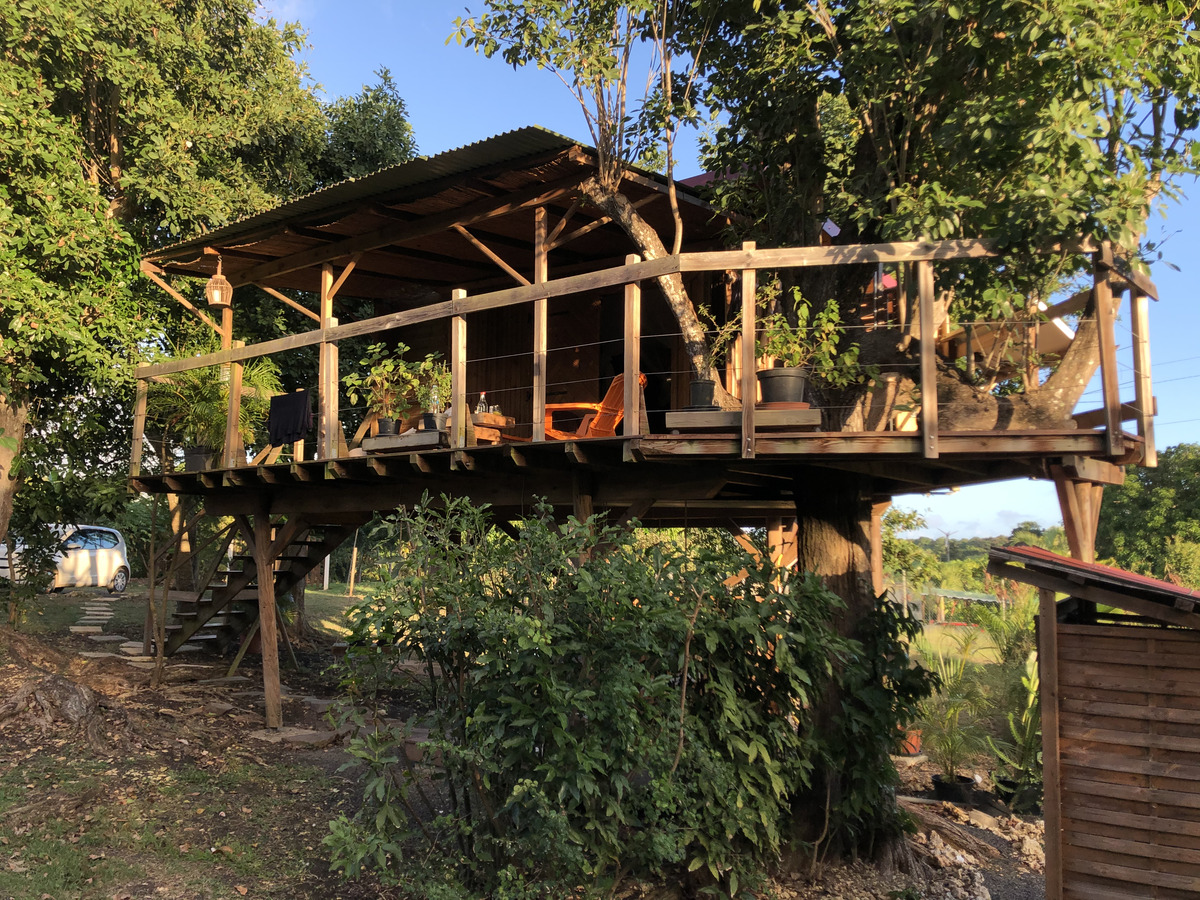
<point>785,385</point>
<point>1027,799</point>
<point>433,421</point>
<point>387,427</point>
<point>955,789</point>
<point>704,391</point>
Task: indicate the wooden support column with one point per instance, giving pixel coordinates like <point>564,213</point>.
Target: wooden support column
<point>139,429</point>
<point>268,630</point>
<point>633,360</point>
<point>1052,784</point>
<point>327,374</point>
<point>235,452</point>
<point>458,375</point>
<point>749,380</point>
<point>541,323</point>
<point>1143,394</point>
<point>1080,505</point>
<point>582,491</point>
<point>1105,314</point>
<point>878,508</point>
<point>929,409</point>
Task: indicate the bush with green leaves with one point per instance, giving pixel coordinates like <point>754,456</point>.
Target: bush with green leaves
<point>600,708</point>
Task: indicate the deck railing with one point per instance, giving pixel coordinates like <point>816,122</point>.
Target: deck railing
<point>921,256</point>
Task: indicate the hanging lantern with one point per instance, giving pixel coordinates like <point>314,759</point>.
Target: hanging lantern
<point>218,292</point>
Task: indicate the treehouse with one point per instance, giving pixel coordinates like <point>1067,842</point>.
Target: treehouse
<point>570,367</point>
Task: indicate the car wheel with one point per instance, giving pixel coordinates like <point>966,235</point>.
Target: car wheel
<point>119,582</point>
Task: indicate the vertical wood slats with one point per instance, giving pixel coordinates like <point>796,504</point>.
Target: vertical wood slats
<point>1128,726</point>
<point>1143,393</point>
<point>458,375</point>
<point>541,314</point>
<point>749,375</point>
<point>633,359</point>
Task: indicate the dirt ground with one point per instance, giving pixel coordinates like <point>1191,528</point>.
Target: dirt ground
<point>180,793</point>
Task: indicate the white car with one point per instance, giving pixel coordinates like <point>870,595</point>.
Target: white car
<point>88,556</point>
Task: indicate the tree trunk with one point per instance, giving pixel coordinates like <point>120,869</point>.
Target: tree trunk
<point>12,436</point>
<point>645,238</point>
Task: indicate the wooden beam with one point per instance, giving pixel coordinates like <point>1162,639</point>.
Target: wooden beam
<point>749,380</point>
<point>337,285</point>
<point>1143,393</point>
<point>268,629</point>
<point>1096,471</point>
<point>283,298</point>
<point>235,452</point>
<point>1096,417</point>
<point>541,322</point>
<point>928,349</point>
<point>458,377</point>
<point>492,255</point>
<point>878,508</point>
<point>553,244</point>
<point>563,220</point>
<point>1109,384</point>
<point>1119,267</point>
<point>139,429</point>
<point>1073,515</point>
<point>486,208</point>
<point>152,272</point>
<point>632,419</point>
<point>1051,765</point>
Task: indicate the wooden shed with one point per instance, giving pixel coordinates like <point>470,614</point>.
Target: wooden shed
<point>1119,660</point>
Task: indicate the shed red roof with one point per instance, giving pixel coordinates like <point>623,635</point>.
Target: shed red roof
<point>1096,574</point>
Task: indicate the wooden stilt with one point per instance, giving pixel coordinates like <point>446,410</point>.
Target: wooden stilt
<point>541,324</point>
<point>265,561</point>
<point>1048,676</point>
<point>748,375</point>
<point>878,508</point>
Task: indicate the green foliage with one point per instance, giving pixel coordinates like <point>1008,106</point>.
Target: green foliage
<point>804,336</point>
<point>366,132</point>
<point>952,728</point>
<point>602,706</point>
<point>191,408</point>
<point>917,563</point>
<point>1021,757</point>
<point>1147,523</point>
<point>388,383</point>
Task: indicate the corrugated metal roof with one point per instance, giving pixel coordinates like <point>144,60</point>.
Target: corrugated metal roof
<point>1093,573</point>
<point>508,147</point>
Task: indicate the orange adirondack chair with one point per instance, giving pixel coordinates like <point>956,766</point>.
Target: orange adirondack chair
<point>599,419</point>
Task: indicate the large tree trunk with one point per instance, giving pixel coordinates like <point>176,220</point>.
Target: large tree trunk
<point>12,435</point>
<point>645,238</point>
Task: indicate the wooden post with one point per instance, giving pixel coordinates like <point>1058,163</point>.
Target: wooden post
<point>969,331</point>
<point>268,629</point>
<point>458,375</point>
<point>327,401</point>
<point>878,508</point>
<point>1052,804</point>
<point>1143,394</point>
<point>139,429</point>
<point>1102,296</point>
<point>929,409</point>
<point>749,375</point>
<point>632,420</point>
<point>582,490</point>
<point>235,453</point>
<point>541,322</point>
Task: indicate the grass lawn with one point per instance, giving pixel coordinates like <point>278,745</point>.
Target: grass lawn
<point>947,639</point>
<point>325,610</point>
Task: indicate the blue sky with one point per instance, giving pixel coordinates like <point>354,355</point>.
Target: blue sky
<point>455,97</point>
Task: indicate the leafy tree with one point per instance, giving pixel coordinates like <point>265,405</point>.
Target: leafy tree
<point>1149,523</point>
<point>367,132</point>
<point>125,125</point>
<point>900,555</point>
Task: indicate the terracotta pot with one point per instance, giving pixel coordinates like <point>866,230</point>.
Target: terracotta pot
<point>910,742</point>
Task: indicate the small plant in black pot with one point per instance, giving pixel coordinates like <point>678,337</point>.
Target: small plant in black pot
<point>952,730</point>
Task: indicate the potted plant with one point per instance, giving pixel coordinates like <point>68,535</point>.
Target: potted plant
<point>192,407</point>
<point>720,338</point>
<point>1019,777</point>
<point>433,393</point>
<point>803,345</point>
<point>387,382</point>
<point>951,724</point>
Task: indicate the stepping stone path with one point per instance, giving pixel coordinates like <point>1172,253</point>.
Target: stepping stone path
<point>96,614</point>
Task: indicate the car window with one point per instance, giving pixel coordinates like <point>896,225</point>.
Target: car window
<point>105,539</point>
<point>82,538</point>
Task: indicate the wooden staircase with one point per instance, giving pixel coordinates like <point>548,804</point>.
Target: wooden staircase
<point>227,604</point>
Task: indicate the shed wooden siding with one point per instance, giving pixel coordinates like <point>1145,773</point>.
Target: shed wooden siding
<point>1129,750</point>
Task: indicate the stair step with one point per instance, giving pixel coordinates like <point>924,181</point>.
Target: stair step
<point>202,636</point>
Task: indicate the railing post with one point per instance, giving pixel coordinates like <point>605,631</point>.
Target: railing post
<point>327,374</point>
<point>540,325</point>
<point>1143,393</point>
<point>458,374</point>
<point>1103,300</point>
<point>749,375</point>
<point>633,357</point>
<point>929,407</point>
<point>139,429</point>
<point>233,434</point>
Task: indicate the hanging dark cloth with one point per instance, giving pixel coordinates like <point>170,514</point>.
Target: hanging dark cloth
<point>290,418</point>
